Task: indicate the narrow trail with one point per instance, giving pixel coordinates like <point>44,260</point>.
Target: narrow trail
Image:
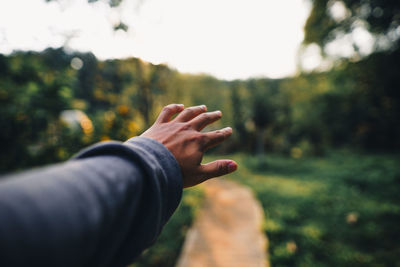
<point>227,230</point>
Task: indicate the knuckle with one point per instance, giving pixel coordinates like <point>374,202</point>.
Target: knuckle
<point>206,116</point>
<point>204,139</point>
<point>193,139</point>
<point>220,167</point>
<point>195,110</point>
<point>185,127</point>
<point>167,108</point>
<point>219,134</point>
<point>200,138</point>
<point>190,110</point>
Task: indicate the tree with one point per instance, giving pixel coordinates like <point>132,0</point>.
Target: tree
<point>238,111</point>
<point>332,19</point>
<point>117,25</point>
<point>112,3</point>
<point>367,89</point>
<point>264,110</point>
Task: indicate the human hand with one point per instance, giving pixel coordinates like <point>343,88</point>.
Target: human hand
<point>183,138</point>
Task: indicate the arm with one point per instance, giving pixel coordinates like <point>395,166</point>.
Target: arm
<point>111,201</point>
<point>100,209</point>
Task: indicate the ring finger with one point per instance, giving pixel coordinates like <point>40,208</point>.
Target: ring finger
<point>205,119</point>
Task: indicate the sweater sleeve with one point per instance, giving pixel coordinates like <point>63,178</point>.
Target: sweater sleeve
<point>101,208</point>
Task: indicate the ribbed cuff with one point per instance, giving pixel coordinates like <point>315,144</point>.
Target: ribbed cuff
<point>160,156</point>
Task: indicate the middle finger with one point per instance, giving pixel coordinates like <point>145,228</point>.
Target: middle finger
<point>190,113</point>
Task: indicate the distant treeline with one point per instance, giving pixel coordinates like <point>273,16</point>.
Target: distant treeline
<point>354,105</point>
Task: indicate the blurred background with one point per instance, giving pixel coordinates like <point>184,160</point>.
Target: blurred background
<point>311,88</point>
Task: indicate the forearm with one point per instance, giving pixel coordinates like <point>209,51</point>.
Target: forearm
<point>102,208</point>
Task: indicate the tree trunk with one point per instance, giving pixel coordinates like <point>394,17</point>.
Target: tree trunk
<point>260,142</point>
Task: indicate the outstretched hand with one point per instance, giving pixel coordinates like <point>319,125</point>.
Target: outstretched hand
<point>183,137</point>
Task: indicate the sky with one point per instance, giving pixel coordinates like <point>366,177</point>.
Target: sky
<point>230,39</point>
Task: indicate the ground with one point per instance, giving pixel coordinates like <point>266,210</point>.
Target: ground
<point>227,230</point>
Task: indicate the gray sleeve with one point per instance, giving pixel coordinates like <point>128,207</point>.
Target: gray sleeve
<point>101,208</point>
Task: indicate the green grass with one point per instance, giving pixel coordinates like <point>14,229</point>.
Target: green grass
<point>340,210</point>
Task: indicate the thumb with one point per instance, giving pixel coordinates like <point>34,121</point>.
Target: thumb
<point>218,168</point>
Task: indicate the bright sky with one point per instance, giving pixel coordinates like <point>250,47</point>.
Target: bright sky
<point>229,39</point>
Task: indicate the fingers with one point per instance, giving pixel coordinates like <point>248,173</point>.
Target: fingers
<point>169,111</point>
<point>217,168</point>
<point>216,137</point>
<point>190,113</point>
<point>205,119</point>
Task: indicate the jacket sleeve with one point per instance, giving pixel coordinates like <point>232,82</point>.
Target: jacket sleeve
<point>101,208</point>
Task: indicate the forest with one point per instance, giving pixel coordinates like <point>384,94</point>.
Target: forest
<point>355,105</point>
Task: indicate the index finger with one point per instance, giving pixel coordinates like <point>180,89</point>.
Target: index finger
<point>216,137</point>
<point>201,121</point>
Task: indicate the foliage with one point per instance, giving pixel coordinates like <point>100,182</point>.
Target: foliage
<point>111,3</point>
<point>378,17</point>
<point>33,92</point>
<point>341,210</point>
<point>355,104</point>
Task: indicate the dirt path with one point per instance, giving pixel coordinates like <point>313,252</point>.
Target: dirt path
<point>227,230</point>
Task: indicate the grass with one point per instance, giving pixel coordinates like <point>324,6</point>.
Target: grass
<point>339,210</point>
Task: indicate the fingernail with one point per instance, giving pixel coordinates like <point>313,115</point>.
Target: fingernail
<point>227,130</point>
<point>232,166</point>
<point>219,113</point>
<point>181,105</point>
<point>203,107</point>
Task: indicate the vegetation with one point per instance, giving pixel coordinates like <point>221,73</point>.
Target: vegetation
<point>323,208</point>
<point>378,17</point>
<point>340,210</point>
<point>354,105</point>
